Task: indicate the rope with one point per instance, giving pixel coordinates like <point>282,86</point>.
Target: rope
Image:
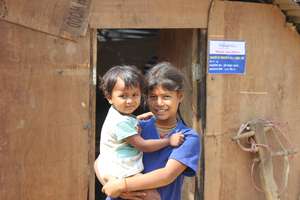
<point>254,148</point>
<point>255,160</point>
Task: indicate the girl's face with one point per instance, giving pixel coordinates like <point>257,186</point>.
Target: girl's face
<point>164,104</point>
<point>125,99</point>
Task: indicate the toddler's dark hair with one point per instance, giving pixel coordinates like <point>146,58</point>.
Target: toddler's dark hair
<point>131,76</point>
<point>165,75</point>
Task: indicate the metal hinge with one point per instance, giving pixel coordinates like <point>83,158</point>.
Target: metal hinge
<point>87,126</point>
<point>94,75</point>
<point>196,72</point>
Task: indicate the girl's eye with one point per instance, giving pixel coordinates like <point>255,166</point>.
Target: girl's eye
<point>167,97</point>
<point>122,96</point>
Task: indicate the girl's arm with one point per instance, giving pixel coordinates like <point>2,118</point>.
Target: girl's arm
<point>154,144</point>
<point>134,195</point>
<point>157,178</point>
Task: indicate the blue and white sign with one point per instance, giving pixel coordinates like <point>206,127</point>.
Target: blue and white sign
<point>226,57</point>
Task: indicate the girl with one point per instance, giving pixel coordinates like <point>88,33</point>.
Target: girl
<point>121,145</point>
<point>166,168</point>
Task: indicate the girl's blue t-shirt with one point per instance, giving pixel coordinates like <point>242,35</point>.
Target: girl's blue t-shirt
<point>187,153</point>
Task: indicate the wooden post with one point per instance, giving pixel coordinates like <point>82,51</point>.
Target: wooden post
<point>199,88</point>
<point>266,165</point>
<point>92,112</point>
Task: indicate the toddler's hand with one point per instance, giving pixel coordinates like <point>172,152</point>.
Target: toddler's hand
<point>145,116</point>
<point>176,139</point>
<point>138,129</point>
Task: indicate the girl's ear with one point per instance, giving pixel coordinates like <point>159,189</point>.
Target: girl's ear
<point>180,96</point>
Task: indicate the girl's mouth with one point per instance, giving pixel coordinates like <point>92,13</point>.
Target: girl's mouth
<point>161,111</point>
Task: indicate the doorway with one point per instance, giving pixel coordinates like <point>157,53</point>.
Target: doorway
<point>144,48</point>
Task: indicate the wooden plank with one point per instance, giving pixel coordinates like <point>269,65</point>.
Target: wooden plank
<point>149,14</point>
<point>180,48</point>
<point>293,13</point>
<point>284,2</point>
<point>289,6</point>
<point>92,112</point>
<point>64,18</point>
<point>43,111</point>
<point>266,169</point>
<point>269,89</point>
<point>199,88</point>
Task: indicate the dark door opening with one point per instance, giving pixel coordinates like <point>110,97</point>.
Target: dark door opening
<point>121,47</point>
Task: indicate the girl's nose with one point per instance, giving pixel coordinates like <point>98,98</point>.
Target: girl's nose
<point>160,101</point>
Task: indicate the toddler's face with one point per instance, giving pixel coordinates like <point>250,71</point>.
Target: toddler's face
<point>125,99</point>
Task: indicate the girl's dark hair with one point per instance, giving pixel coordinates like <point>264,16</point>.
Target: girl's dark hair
<point>165,75</point>
<point>131,76</point>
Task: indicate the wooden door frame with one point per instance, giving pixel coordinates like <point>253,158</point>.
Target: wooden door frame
<point>199,99</point>
<point>92,113</point>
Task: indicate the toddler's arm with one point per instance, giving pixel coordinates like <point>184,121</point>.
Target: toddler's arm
<point>154,144</point>
<point>144,116</point>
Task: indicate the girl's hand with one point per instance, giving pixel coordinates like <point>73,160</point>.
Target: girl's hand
<point>133,195</point>
<point>152,195</point>
<point>141,195</point>
<point>176,139</point>
<point>114,187</point>
<point>144,116</point>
